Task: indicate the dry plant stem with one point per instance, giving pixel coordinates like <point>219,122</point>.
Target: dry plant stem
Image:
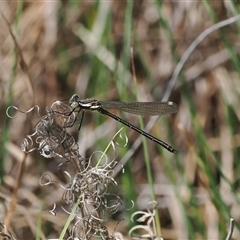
<point>14,194</point>
<point>24,68</point>
<point>22,62</point>
<point>74,162</point>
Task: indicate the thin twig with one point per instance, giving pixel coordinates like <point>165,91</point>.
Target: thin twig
<point>231,227</point>
<point>192,47</point>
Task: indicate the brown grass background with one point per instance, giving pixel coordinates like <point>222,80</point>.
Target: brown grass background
<point>69,47</point>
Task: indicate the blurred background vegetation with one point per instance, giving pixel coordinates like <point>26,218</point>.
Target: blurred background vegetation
<point>84,47</point>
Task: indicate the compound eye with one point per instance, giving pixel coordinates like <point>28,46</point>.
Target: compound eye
<point>73,99</point>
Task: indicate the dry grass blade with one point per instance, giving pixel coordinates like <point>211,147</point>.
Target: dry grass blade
<point>21,60</point>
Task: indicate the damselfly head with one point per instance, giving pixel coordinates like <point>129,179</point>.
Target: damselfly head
<point>73,101</point>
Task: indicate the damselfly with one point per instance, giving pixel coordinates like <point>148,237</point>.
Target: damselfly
<point>138,108</point>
